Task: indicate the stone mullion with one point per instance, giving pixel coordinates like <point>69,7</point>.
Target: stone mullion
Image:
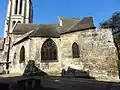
<point>27,11</point>
<point>23,8</point>
<point>13,7</point>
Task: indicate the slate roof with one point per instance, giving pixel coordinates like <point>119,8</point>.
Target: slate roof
<point>54,30</point>
<point>84,24</point>
<point>41,31</point>
<point>1,44</point>
<point>67,23</point>
<point>46,31</point>
<point>24,28</point>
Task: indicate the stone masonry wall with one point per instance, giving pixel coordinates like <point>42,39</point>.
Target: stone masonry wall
<point>15,66</point>
<point>35,54</point>
<point>97,53</point>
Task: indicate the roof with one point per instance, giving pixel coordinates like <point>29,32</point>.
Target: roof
<point>84,24</point>
<point>67,23</point>
<point>1,44</point>
<point>53,30</point>
<point>24,37</point>
<point>41,31</point>
<point>23,28</point>
<point>46,31</point>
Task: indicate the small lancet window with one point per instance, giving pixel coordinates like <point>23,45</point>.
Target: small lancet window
<point>75,50</point>
<point>22,55</point>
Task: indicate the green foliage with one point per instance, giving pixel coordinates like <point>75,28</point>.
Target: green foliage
<point>104,24</point>
<point>113,22</point>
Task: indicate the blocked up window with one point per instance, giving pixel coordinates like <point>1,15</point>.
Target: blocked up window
<point>49,51</point>
<point>75,50</point>
<point>22,55</point>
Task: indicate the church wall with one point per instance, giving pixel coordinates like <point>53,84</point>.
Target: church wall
<point>1,55</point>
<point>14,38</point>
<point>35,54</point>
<point>97,53</point>
<point>15,66</point>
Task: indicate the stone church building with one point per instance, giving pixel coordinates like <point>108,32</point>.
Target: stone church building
<point>71,42</point>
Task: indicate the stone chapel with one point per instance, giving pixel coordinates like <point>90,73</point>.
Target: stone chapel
<point>72,42</point>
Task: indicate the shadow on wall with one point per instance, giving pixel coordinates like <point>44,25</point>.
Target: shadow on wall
<point>117,45</point>
<point>35,79</point>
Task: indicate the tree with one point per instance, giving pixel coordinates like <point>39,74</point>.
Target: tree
<point>113,22</point>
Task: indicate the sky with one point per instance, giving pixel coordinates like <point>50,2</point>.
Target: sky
<point>47,11</point>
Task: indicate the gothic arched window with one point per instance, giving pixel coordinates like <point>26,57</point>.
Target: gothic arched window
<point>16,6</point>
<point>49,51</point>
<point>20,11</point>
<point>22,55</point>
<point>75,50</point>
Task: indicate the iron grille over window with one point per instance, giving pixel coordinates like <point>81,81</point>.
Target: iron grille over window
<point>49,51</point>
<point>75,50</point>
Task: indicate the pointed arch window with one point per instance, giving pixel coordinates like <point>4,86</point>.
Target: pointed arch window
<point>14,59</point>
<point>20,11</point>
<point>49,51</point>
<point>22,55</point>
<point>16,6</point>
<point>75,50</point>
